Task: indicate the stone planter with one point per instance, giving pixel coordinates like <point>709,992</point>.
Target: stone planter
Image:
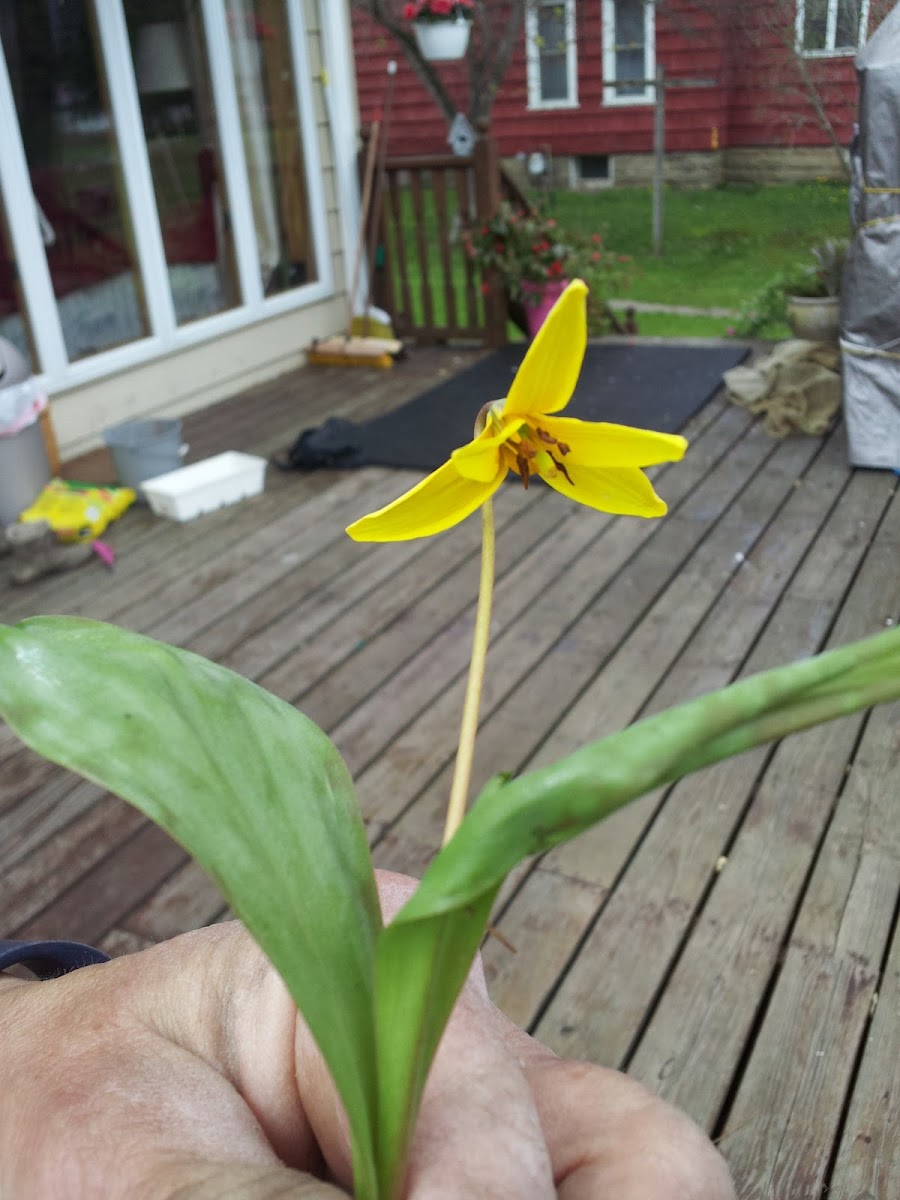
<point>441,41</point>
<point>814,318</point>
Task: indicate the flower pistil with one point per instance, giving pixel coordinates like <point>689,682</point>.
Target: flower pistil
<point>526,449</point>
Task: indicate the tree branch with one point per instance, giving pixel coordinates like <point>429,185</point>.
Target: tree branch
<point>497,28</point>
<point>384,15</point>
<point>815,99</point>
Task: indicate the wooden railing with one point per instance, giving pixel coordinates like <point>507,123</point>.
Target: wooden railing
<point>423,277</point>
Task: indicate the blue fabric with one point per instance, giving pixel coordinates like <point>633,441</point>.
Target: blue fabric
<point>48,960</point>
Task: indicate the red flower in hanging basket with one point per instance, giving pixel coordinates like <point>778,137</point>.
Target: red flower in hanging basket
<point>438,10</point>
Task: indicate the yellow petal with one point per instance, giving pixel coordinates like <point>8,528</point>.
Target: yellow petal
<point>627,491</point>
<point>598,444</point>
<point>545,381</point>
<point>480,459</point>
<point>442,499</point>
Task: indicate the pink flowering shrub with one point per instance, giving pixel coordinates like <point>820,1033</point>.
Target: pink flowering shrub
<point>522,248</point>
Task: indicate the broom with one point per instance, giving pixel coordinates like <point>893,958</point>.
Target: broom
<point>346,349</point>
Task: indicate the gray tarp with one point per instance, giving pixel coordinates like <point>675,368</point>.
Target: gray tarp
<point>870,292</point>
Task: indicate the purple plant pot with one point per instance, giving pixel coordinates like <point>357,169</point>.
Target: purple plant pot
<point>547,294</point>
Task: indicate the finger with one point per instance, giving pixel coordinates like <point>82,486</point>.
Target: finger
<point>608,1136</point>
<point>478,1132</point>
<point>214,994</point>
<point>97,1101</point>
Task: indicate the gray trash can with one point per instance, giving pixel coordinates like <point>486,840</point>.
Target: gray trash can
<point>144,449</point>
<point>24,465</point>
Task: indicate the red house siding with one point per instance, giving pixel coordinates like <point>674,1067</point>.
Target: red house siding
<point>755,98</point>
<point>768,105</point>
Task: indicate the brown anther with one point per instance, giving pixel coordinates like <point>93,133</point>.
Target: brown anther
<point>562,468</point>
<point>522,463</point>
<point>563,448</point>
<point>546,437</point>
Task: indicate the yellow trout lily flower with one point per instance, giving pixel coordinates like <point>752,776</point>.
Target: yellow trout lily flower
<point>593,463</point>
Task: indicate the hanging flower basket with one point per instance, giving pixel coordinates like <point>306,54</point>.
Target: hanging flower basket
<point>441,28</point>
<point>440,41</point>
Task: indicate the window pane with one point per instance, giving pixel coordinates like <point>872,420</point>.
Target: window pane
<point>815,25</point>
<point>630,66</point>
<point>554,77</point>
<point>273,143</point>
<point>170,67</point>
<point>73,160</point>
<point>12,320</point>
<point>552,29</point>
<point>551,32</point>
<point>630,47</point>
<point>630,23</point>
<point>846,36</point>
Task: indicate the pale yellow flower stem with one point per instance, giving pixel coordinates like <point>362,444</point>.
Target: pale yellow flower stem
<point>462,773</point>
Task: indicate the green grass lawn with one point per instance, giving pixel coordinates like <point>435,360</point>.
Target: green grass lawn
<point>720,247</point>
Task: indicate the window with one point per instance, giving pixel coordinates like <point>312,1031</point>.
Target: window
<point>267,92</point>
<point>552,70</point>
<point>826,27</point>
<point>629,53</point>
<point>160,179</point>
<point>171,68</point>
<point>594,168</point>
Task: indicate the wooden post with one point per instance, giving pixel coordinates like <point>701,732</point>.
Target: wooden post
<point>50,442</point>
<point>659,158</point>
<point>487,199</point>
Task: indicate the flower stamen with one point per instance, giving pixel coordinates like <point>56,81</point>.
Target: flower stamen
<point>561,466</point>
<point>552,441</point>
<point>527,459</point>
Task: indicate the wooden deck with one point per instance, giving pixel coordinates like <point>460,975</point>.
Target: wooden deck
<point>724,942</point>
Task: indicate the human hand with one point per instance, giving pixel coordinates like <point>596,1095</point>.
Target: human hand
<point>184,1073</point>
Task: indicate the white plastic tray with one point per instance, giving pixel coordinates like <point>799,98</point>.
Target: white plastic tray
<point>205,486</point>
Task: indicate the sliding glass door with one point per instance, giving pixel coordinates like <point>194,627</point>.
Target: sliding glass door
<point>62,108</point>
<point>160,177</point>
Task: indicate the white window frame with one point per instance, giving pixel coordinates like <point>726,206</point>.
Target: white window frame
<point>533,56</point>
<point>829,50</point>
<point>57,373</point>
<point>611,95</point>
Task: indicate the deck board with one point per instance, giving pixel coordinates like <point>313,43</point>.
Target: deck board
<point>731,941</point>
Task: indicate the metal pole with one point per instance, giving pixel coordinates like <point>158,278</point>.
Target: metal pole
<point>659,155</point>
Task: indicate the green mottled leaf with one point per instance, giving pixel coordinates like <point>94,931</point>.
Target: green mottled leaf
<point>249,786</point>
<point>423,955</point>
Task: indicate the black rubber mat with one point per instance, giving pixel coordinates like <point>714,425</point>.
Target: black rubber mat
<point>652,387</point>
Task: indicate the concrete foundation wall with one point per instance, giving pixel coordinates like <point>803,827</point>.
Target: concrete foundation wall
<point>766,164</point>
<point>781,164</point>
<point>692,170</point>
